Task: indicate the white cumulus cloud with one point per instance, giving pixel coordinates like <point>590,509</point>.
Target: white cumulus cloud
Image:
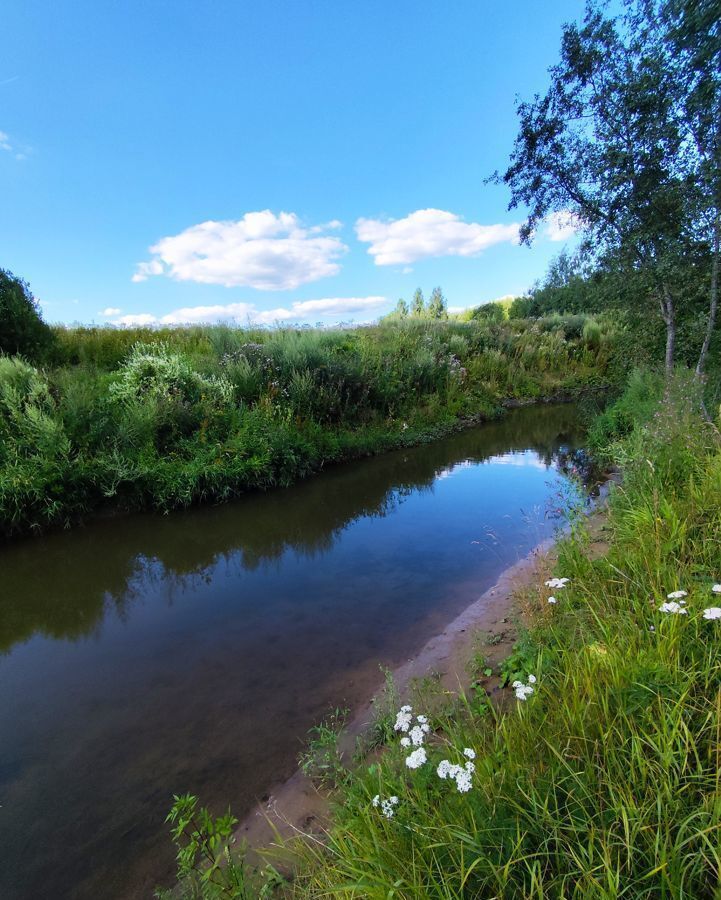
<point>247,313</point>
<point>560,226</point>
<point>262,250</point>
<point>110,311</point>
<point>429,232</point>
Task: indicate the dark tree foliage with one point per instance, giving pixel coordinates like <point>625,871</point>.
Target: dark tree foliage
<point>691,30</point>
<point>613,145</point>
<point>22,330</point>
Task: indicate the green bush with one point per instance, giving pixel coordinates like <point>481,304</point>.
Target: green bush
<point>131,418</point>
<point>22,330</point>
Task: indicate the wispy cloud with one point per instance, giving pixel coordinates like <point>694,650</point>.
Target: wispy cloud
<point>427,233</point>
<point>560,226</point>
<point>10,146</point>
<point>247,313</point>
<point>262,250</point>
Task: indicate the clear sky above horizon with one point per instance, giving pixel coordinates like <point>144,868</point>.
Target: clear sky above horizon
<point>289,161</point>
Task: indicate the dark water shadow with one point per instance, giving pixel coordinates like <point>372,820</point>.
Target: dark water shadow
<point>150,655</point>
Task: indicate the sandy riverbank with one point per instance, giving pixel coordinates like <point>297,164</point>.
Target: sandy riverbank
<point>297,807</point>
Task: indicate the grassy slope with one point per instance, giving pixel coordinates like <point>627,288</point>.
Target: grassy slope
<point>162,419</point>
<point>605,782</point>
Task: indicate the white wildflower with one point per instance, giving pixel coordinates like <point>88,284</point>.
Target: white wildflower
<point>557,582</point>
<point>462,775</point>
<point>403,719</point>
<point>405,742</point>
<point>417,758</point>
<point>552,600</point>
<point>672,607</point>
<point>385,805</point>
<point>422,719</point>
<point>463,782</point>
<point>416,735</point>
<point>523,691</point>
<point>716,589</point>
<point>676,595</point>
<point>469,754</point>
<point>713,612</point>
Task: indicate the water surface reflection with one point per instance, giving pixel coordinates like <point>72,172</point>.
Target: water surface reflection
<point>148,655</point>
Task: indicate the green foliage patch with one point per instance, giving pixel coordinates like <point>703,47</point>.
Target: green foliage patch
<point>143,418</point>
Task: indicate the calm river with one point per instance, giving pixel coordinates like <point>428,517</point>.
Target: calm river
<point>149,655</point>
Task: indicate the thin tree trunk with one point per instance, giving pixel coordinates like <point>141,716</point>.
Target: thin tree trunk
<point>669,317</point>
<point>713,306</point>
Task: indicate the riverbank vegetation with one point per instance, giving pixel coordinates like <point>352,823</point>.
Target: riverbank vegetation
<point>603,779</point>
<point>597,775</point>
<point>162,418</point>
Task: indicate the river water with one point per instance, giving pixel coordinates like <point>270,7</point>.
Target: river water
<point>148,655</point>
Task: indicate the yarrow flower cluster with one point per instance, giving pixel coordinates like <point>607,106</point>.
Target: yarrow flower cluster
<point>387,806</point>
<point>416,759</point>
<point>552,600</point>
<point>673,607</point>
<point>404,719</point>
<point>462,775</point>
<point>523,691</point>
<point>557,583</point>
<point>413,735</point>
<point>676,605</point>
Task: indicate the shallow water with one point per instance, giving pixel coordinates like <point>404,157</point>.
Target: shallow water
<point>146,656</point>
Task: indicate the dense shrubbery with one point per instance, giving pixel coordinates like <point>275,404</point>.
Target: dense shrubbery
<point>22,329</point>
<point>165,418</point>
<point>603,780</point>
<point>572,288</point>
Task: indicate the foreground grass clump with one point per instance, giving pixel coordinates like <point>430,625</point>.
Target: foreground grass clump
<point>128,419</point>
<point>599,777</point>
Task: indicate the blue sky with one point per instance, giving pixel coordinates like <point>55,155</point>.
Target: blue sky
<point>272,155</point>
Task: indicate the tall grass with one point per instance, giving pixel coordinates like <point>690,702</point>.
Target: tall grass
<point>605,782</point>
<point>129,418</point>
